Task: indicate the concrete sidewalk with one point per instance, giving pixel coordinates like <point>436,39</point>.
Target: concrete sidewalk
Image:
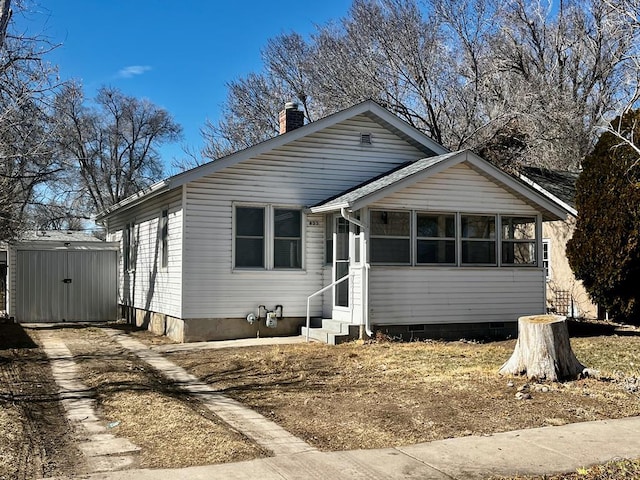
<point>524,452</point>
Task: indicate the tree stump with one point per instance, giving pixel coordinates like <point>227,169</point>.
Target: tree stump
<point>543,350</point>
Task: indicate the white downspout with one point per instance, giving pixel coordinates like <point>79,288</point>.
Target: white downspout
<point>365,268</point>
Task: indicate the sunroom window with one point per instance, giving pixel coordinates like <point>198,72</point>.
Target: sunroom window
<point>390,237</point>
<point>478,239</point>
<point>518,240</point>
<point>250,237</point>
<point>435,238</point>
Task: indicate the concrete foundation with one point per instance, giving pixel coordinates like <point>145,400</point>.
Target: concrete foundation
<point>451,331</point>
<point>205,329</point>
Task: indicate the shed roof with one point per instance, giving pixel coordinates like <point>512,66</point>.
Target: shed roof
<point>58,236</point>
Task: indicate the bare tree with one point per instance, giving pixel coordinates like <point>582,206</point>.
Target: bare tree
<point>627,12</point>
<point>518,81</point>
<point>559,73</point>
<point>110,149</point>
<point>26,160</point>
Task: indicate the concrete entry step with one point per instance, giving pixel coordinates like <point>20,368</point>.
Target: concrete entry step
<point>333,332</point>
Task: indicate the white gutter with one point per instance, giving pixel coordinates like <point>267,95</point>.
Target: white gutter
<point>365,269</point>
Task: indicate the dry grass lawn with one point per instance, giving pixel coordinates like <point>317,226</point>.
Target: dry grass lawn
<point>376,395</point>
<point>357,395</point>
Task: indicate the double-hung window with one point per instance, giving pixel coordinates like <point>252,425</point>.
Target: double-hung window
<point>250,233</point>
<point>478,239</point>
<point>268,237</point>
<point>129,247</point>
<point>518,240</point>
<point>390,237</point>
<point>435,238</point>
<point>164,239</point>
<point>287,240</point>
<point>546,258</point>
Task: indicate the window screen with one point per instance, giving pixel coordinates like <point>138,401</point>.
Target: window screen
<point>287,242</point>
<point>249,237</point>
<point>436,238</point>
<point>478,239</point>
<point>390,237</point>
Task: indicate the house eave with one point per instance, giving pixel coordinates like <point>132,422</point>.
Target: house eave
<point>329,208</point>
<point>552,208</point>
<point>135,199</point>
<point>572,211</point>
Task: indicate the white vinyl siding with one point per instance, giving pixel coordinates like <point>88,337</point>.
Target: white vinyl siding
<point>148,285</point>
<point>301,173</point>
<point>457,189</point>
<point>439,294</point>
<point>400,295</point>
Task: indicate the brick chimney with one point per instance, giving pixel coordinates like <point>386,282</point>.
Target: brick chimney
<point>290,118</point>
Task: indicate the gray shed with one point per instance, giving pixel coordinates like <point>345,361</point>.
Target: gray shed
<point>59,276</point>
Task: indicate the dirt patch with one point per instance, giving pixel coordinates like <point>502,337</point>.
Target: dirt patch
<point>35,438</point>
<point>378,395</point>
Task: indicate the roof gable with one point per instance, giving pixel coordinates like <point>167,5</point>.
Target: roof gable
<point>369,108</point>
<point>409,174</point>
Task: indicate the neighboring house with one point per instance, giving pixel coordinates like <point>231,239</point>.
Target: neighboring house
<point>431,242</point>
<point>565,294</point>
<point>58,276</point>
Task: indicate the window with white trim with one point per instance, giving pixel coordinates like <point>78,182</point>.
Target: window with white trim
<point>435,238</point>
<point>518,240</point>
<point>268,237</point>
<point>328,240</point>
<point>390,237</point>
<point>478,239</point>
<point>129,247</point>
<point>287,240</point>
<point>250,237</point>
<point>546,257</point>
<point>164,238</point>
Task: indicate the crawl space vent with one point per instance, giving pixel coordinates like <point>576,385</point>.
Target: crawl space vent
<point>365,139</point>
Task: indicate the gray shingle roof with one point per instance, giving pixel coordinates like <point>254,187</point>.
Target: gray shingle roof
<point>562,184</point>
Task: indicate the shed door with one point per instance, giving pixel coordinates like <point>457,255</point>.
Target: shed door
<point>62,285</point>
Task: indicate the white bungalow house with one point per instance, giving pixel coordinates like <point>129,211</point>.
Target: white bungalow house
<point>425,241</point>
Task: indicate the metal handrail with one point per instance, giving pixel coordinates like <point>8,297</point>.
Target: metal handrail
<point>322,290</point>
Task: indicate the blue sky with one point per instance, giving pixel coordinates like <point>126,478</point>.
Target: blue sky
<point>179,55</point>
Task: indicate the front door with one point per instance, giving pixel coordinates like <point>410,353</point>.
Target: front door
<point>340,261</point>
